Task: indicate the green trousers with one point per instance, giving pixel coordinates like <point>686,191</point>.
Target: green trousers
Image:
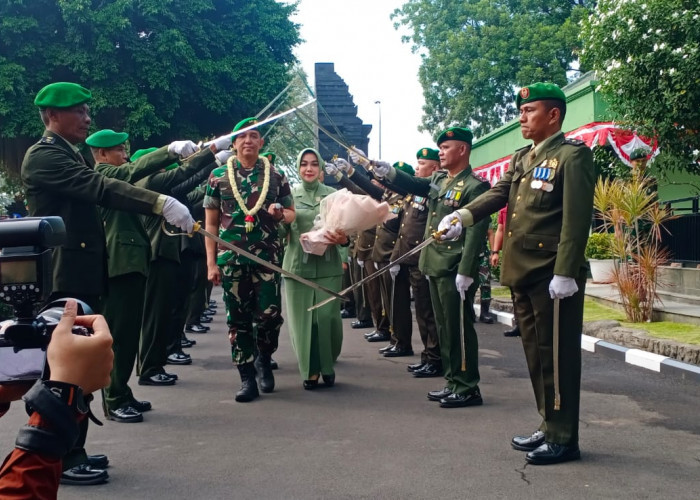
<point>446,305</point>
<point>160,287</point>
<point>123,310</point>
<point>535,312</point>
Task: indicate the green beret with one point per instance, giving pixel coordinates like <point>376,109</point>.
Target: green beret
<point>246,122</point>
<point>106,139</point>
<point>456,134</point>
<point>138,154</point>
<point>270,156</point>
<point>404,167</point>
<point>62,95</point>
<point>639,154</point>
<point>539,92</point>
<point>428,154</point>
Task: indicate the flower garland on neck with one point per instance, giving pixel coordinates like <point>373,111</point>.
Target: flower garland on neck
<point>249,214</point>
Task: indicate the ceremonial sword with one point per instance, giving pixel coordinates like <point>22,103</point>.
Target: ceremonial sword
<point>557,395</point>
<point>435,237</point>
<point>198,228</point>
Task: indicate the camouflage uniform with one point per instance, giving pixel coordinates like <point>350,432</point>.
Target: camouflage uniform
<point>251,292</point>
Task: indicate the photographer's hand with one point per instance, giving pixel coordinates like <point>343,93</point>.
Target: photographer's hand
<point>79,360</point>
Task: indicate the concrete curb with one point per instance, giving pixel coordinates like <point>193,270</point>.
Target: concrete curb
<point>636,357</point>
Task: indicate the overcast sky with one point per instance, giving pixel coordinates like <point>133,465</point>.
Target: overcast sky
<point>359,37</point>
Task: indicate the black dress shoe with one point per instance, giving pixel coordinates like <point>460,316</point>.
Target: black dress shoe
<point>438,395</point>
<point>462,400</point>
<point>186,343</point>
<point>84,475</point>
<point>398,352</point>
<point>328,380</point>
<point>273,364</point>
<point>210,311</point>
<point>528,443</point>
<point>196,328</point>
<point>487,318</point>
<point>98,461</point>
<point>347,313</point>
<point>141,406</point>
<point>178,358</point>
<point>386,348</point>
<point>126,414</point>
<point>429,370</point>
<point>157,379</point>
<point>369,334</point>
<point>553,453</point>
<point>414,367</point>
<point>205,319</point>
<point>171,375</point>
<point>513,332</point>
<point>362,324</point>
<point>213,303</point>
<point>379,337</point>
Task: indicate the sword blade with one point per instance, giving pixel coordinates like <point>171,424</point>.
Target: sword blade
<point>557,395</point>
<point>264,263</point>
<point>461,334</point>
<point>384,269</point>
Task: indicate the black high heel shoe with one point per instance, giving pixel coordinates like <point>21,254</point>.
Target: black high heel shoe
<point>311,383</point>
<point>329,380</point>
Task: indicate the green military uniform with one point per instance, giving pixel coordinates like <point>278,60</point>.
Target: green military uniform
<point>545,235</point>
<point>58,181</point>
<point>251,292</point>
<point>157,327</point>
<point>411,233</point>
<point>129,252</point>
<point>442,261</point>
<point>317,335</point>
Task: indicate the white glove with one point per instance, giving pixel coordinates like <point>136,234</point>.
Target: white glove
<point>177,214</point>
<point>343,165</point>
<point>453,230</point>
<point>222,143</point>
<point>223,156</point>
<point>332,169</point>
<point>182,148</point>
<point>562,287</point>
<point>394,271</point>
<point>358,157</point>
<point>463,283</point>
<point>380,169</point>
<point>360,263</point>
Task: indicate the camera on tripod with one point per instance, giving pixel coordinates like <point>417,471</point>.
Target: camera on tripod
<point>25,283</point>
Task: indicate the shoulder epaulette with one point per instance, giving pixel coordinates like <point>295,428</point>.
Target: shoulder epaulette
<point>479,177</point>
<point>574,142</point>
<point>47,140</point>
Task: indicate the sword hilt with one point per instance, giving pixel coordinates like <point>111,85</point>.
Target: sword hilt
<point>437,234</point>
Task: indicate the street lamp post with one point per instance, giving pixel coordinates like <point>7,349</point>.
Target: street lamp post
<point>379,107</point>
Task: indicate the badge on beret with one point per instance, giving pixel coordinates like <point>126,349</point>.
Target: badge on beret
<point>524,92</point>
<point>449,133</point>
<point>425,151</point>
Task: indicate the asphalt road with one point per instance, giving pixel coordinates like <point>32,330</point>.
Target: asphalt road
<point>375,435</point>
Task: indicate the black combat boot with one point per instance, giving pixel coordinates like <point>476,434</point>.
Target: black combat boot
<point>264,368</point>
<point>485,316</point>
<point>249,387</point>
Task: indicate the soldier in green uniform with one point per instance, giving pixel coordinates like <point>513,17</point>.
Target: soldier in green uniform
<point>246,201</point>
<point>408,276</point>
<point>58,181</point>
<point>549,191</point>
<point>452,266</point>
<point>129,253</point>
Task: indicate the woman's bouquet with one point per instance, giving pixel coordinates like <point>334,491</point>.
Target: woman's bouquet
<point>344,212</point>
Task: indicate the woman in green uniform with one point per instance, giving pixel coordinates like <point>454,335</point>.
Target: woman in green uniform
<point>317,335</point>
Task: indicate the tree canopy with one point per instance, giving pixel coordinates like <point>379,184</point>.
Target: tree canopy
<point>476,53</point>
<point>159,69</point>
<point>647,57</point>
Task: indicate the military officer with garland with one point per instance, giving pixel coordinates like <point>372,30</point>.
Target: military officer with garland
<point>246,201</point>
<point>452,267</point>
<point>549,191</point>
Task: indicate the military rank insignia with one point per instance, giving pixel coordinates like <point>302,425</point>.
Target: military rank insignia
<point>543,174</point>
<point>48,140</point>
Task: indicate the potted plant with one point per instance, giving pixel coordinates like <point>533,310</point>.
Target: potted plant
<point>599,252</point>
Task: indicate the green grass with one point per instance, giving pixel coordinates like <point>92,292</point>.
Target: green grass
<point>593,311</point>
